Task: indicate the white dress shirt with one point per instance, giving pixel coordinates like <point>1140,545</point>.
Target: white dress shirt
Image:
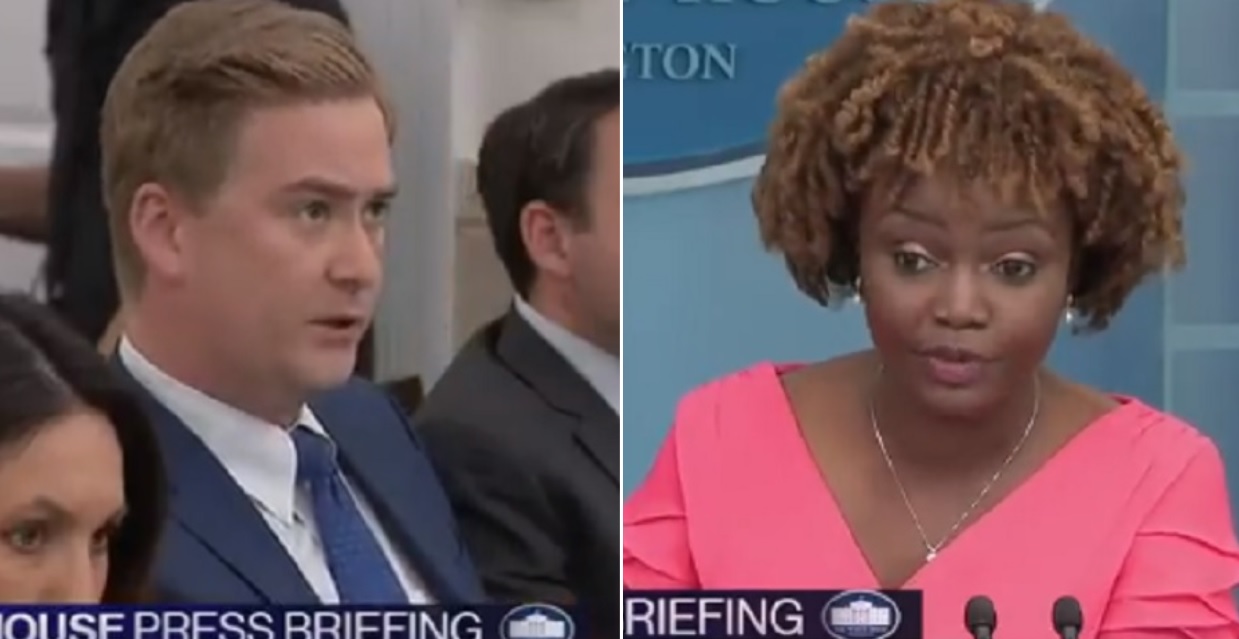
<point>600,368</point>
<point>261,459</point>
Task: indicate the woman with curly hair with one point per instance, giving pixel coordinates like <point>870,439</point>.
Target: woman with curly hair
<point>971,171</point>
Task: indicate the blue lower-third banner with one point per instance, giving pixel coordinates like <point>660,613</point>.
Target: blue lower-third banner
<point>839,614</point>
<point>530,621</point>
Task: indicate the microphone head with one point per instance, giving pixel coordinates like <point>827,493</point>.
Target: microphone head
<point>979,612</point>
<point>1067,614</point>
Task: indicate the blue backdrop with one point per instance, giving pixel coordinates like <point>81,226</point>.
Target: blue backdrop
<point>701,298</point>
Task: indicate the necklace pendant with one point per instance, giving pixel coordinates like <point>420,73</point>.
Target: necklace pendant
<point>930,556</point>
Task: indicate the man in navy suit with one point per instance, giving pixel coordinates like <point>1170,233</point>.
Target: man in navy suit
<point>247,172</point>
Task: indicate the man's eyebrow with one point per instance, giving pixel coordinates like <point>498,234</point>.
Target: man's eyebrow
<point>334,189</point>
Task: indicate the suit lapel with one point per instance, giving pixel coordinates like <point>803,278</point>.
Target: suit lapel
<point>394,477</point>
<point>214,509</point>
<point>528,355</point>
<point>600,437</point>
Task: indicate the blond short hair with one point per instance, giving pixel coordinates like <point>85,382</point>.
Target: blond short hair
<point>175,106</point>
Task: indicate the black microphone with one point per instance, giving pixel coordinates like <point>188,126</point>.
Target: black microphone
<point>1068,618</point>
<point>980,617</point>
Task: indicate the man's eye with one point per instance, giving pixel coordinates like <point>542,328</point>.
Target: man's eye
<point>316,210</point>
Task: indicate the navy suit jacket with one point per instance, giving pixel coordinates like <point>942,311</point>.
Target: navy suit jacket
<point>217,548</point>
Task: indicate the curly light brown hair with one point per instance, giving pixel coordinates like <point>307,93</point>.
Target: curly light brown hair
<point>987,91</point>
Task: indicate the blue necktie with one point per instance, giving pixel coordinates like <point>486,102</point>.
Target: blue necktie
<point>360,569</point>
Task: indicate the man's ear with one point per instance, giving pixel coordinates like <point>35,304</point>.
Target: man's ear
<point>543,230</point>
<point>156,221</point>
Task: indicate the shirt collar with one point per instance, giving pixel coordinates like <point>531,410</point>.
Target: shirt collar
<point>599,368</point>
<point>257,454</point>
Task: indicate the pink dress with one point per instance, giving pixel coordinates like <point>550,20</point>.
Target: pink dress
<point>1131,517</point>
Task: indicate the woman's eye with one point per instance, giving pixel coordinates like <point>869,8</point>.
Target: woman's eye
<point>1015,270</point>
<point>911,262</point>
<point>101,542</point>
<point>27,537</point>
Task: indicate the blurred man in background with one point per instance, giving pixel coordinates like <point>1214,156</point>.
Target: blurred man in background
<point>524,426</point>
<point>61,204</point>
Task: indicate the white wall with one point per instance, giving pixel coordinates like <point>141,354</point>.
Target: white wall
<point>25,129</point>
<point>508,49</point>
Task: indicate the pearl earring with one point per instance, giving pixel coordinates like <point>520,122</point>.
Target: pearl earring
<point>856,292</point>
<point>1069,315</point>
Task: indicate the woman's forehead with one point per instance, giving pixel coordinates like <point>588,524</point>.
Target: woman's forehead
<point>944,194</point>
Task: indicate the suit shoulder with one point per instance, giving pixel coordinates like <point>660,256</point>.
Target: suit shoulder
<point>357,394</point>
<point>490,410</point>
<point>478,389</point>
<point>501,421</point>
<point>356,388</point>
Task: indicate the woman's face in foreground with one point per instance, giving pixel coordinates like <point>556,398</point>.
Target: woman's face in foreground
<point>62,498</point>
<point>963,293</point>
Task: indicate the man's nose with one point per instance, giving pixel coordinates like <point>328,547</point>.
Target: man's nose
<point>357,261</point>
